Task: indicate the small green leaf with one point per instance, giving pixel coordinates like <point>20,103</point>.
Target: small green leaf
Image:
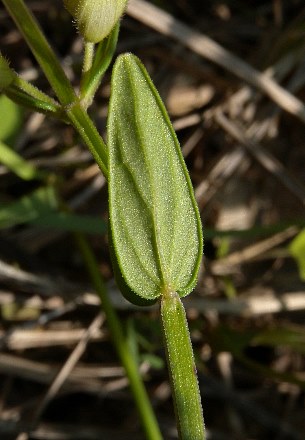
<point>297,250</point>
<point>156,228</point>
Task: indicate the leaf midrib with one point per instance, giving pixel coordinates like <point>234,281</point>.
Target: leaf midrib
<point>156,244</point>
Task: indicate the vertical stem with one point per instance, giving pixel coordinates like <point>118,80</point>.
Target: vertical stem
<point>91,79</point>
<point>88,56</point>
<point>88,132</point>
<point>182,368</point>
<point>146,413</point>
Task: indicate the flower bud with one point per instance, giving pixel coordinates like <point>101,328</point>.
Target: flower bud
<point>95,18</point>
<point>71,6</point>
<point>6,73</point>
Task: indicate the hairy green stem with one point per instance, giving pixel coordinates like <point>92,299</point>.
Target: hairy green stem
<point>24,93</point>
<point>33,91</point>
<point>182,368</point>
<point>22,98</point>
<point>87,130</point>
<point>91,78</point>
<point>146,413</point>
<point>88,56</point>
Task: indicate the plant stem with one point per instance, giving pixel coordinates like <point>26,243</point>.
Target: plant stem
<point>91,78</point>
<point>182,368</point>
<point>48,61</point>
<point>22,98</point>
<point>139,392</point>
<point>87,130</point>
<point>40,47</point>
<point>33,91</point>
<point>24,93</point>
<point>88,56</point>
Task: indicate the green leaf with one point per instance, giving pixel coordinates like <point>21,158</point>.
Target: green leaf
<point>297,250</point>
<point>121,283</point>
<point>156,229</point>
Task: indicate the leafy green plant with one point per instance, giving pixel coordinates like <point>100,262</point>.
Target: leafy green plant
<point>155,225</point>
<point>155,228</point>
